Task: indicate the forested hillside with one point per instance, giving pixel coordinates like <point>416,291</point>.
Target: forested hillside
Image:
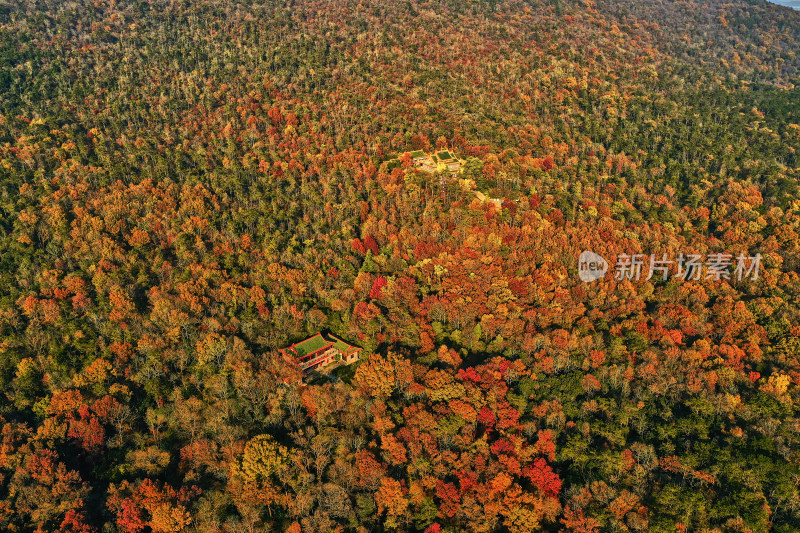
<point>187,187</point>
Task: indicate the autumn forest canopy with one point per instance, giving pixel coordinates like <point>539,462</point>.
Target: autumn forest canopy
<point>189,187</point>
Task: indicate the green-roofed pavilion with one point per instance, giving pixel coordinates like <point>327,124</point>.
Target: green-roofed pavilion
<point>320,351</point>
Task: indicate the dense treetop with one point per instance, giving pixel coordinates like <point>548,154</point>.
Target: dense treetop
<point>188,186</point>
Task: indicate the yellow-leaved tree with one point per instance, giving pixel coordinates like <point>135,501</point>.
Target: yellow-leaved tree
<point>263,457</point>
<point>256,477</point>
